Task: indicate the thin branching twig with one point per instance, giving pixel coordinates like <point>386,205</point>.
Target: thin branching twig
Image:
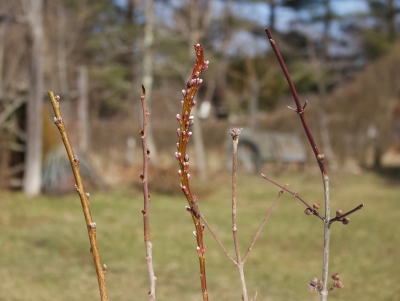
<point>217,239</point>
<point>146,200</point>
<point>263,224</point>
<point>90,224</point>
<point>296,195</point>
<point>300,110</point>
<point>240,265</point>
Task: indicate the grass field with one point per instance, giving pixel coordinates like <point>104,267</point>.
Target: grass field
<point>44,249</point>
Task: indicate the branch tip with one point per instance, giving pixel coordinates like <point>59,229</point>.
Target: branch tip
<point>235,132</point>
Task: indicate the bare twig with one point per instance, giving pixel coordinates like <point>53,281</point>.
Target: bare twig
<point>320,160</point>
<point>91,226</point>
<point>240,265</point>
<point>296,195</point>
<point>217,239</point>
<point>263,224</point>
<point>338,218</point>
<point>300,108</point>
<point>146,200</point>
<point>184,134</point>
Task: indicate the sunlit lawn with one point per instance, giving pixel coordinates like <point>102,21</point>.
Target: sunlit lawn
<point>44,249</point>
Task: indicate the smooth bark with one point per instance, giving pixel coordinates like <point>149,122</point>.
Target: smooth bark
<point>33,155</point>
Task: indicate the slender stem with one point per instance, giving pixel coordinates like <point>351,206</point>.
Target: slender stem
<point>91,226</point>
<point>184,134</point>
<point>300,108</point>
<point>296,195</point>
<point>263,224</point>
<point>146,201</point>
<point>320,161</point>
<point>217,239</point>
<point>240,265</point>
<point>327,225</point>
<point>338,218</point>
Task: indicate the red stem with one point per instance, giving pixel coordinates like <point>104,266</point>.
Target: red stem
<point>300,108</point>
<point>186,122</point>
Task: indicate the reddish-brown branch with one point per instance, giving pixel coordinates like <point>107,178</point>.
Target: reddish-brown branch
<point>185,122</point>
<point>296,195</point>
<point>338,218</point>
<point>143,176</point>
<point>320,160</point>
<point>300,108</point>
<point>146,201</point>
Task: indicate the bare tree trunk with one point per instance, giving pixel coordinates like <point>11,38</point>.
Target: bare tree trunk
<point>272,7</point>
<point>147,78</point>
<point>83,110</point>
<point>2,33</point>
<point>322,116</point>
<point>254,86</point>
<point>62,60</point>
<point>323,120</point>
<point>391,19</point>
<point>199,146</point>
<point>197,31</point>
<point>33,155</point>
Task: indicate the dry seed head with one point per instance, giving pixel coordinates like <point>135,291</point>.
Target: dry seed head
<point>316,206</point>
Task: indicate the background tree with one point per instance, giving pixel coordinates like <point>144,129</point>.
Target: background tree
<point>33,156</point>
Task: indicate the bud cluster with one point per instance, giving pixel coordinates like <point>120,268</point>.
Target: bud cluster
<point>312,210</point>
<point>317,285</point>
<point>344,220</point>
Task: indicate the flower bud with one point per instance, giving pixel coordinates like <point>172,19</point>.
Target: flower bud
<point>316,206</point>
<point>314,281</point>
<point>311,287</point>
<point>307,211</point>
<point>339,213</point>
<point>345,221</point>
<point>339,284</point>
<point>335,276</point>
